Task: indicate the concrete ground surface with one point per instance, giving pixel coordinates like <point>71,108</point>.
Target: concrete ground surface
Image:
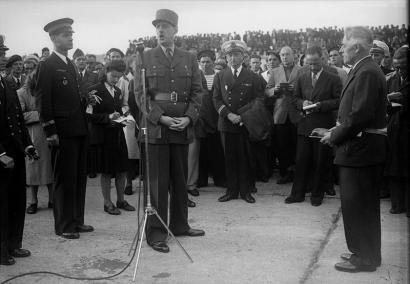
<point>265,242</point>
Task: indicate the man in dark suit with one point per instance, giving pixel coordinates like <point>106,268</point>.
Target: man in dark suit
<point>16,77</point>
<point>360,140</point>
<point>320,90</point>
<point>87,78</point>
<point>236,87</point>
<point>173,82</point>
<point>62,113</point>
<point>15,143</point>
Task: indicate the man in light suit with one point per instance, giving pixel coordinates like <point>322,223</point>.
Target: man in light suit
<point>285,115</point>
<point>360,140</point>
<point>321,90</point>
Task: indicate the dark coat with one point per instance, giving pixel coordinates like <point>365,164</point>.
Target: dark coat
<point>398,129</point>
<point>62,110</point>
<point>327,91</point>
<point>182,76</point>
<point>362,105</point>
<point>14,137</point>
<point>230,95</point>
<point>208,116</point>
<point>13,84</point>
<point>257,120</point>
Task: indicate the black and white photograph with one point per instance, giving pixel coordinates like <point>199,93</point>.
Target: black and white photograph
<point>202,142</point>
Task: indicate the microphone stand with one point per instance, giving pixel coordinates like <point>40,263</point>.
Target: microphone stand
<point>149,209</point>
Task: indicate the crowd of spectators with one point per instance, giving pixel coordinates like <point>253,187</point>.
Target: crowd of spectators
<point>259,42</point>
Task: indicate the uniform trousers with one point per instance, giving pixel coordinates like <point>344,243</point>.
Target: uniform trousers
<point>313,170</point>
<point>239,177</point>
<point>193,163</point>
<point>168,167</point>
<point>211,160</point>
<point>359,195</point>
<point>12,205</point>
<point>70,181</point>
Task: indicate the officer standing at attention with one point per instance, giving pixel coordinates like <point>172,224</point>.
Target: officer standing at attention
<point>174,86</point>
<point>62,113</point>
<point>235,88</point>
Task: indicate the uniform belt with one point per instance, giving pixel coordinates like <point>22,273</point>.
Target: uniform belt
<point>173,97</point>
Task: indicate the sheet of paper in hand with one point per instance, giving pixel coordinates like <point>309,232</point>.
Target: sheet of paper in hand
<point>125,119</point>
<point>309,106</point>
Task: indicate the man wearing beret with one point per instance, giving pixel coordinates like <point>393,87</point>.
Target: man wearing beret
<point>62,114</point>
<point>174,85</point>
<point>15,143</point>
<point>16,78</point>
<point>235,88</point>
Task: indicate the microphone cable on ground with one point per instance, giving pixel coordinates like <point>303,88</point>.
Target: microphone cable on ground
<point>89,278</point>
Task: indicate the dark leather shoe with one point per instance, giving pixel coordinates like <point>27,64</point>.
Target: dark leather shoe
<point>128,190</point>
<point>7,261</point>
<point>124,205</point>
<point>84,228</point>
<point>191,203</point>
<point>112,210</point>
<point>160,246</point>
<point>32,209</point>
<point>20,253</point>
<point>193,192</point>
<point>70,236</point>
<point>248,198</point>
<point>192,233</point>
<point>286,179</point>
<point>331,192</point>
<point>92,175</point>
<point>291,199</point>
<point>226,197</point>
<point>50,205</point>
<point>316,202</point>
<point>347,266</point>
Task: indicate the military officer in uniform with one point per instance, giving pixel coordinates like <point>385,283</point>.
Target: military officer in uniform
<point>174,85</point>
<point>15,143</point>
<point>62,113</point>
<point>235,88</point>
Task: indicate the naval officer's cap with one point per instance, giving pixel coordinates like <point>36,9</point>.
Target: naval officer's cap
<point>59,26</point>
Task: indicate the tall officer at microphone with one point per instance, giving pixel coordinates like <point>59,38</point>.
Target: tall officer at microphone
<point>62,113</point>
<point>174,85</point>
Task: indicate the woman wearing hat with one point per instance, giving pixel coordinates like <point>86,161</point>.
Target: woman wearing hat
<point>112,153</point>
<point>38,172</point>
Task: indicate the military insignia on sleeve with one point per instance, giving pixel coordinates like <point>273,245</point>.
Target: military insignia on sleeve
<point>65,81</point>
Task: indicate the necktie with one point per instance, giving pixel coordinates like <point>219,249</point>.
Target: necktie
<point>81,76</point>
<point>169,53</point>
<point>235,74</point>
<point>314,80</point>
<point>18,83</point>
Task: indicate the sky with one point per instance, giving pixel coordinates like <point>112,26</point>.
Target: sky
<point>102,24</point>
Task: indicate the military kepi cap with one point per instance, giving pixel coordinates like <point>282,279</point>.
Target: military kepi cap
<point>59,26</point>
<point>165,15</point>
<point>233,45</point>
